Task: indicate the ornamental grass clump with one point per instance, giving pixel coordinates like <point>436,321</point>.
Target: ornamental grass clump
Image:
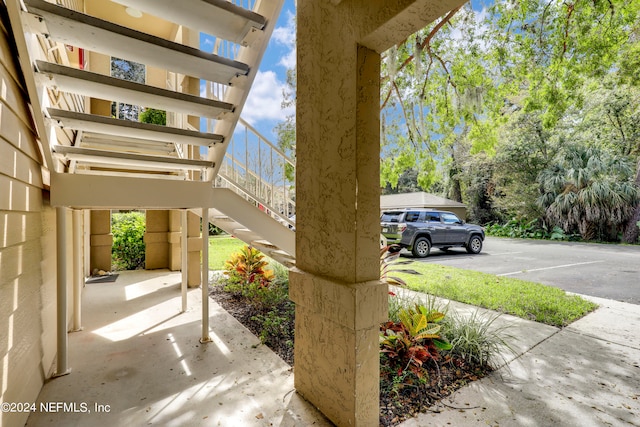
<point>478,340</point>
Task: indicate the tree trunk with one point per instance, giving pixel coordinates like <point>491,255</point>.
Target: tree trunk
<point>630,234</point>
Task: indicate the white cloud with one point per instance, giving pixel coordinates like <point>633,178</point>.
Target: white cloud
<point>286,36</point>
<point>206,43</point>
<point>265,99</point>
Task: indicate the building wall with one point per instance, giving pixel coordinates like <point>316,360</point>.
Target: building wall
<point>27,249</point>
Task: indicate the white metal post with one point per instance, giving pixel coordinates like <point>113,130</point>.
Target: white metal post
<point>87,242</point>
<point>205,276</point>
<point>185,258</point>
<point>78,270</point>
<point>61,291</point>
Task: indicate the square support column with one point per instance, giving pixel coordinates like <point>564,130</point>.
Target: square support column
<point>336,346</point>
<point>339,298</point>
<point>101,240</point>
<point>340,301</point>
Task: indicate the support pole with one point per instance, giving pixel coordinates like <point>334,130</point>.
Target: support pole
<point>185,259</point>
<point>205,276</point>
<point>78,276</point>
<point>61,291</point>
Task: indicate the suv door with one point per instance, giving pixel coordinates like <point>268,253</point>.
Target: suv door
<point>435,227</point>
<point>414,221</point>
<point>455,229</point>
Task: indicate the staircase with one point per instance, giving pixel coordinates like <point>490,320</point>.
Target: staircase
<point>256,202</point>
<point>65,53</point>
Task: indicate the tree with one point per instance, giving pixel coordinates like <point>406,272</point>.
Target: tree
<point>589,189</point>
<point>525,149</point>
<point>435,90</point>
<point>286,131</point>
<point>407,183</point>
<point>131,71</point>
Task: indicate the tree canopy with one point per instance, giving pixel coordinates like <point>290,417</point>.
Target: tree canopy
<point>486,102</point>
<point>493,100</point>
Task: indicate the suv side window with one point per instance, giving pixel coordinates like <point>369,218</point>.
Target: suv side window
<point>412,216</point>
<point>433,216</point>
<point>449,218</point>
<point>390,217</point>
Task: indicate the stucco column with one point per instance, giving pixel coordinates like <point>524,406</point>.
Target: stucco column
<point>101,240</point>
<point>340,301</point>
<point>156,239</point>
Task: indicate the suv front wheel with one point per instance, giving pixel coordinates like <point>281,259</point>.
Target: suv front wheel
<point>421,247</point>
<point>475,245</point>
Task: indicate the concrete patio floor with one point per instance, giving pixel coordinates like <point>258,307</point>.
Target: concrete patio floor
<point>138,361</point>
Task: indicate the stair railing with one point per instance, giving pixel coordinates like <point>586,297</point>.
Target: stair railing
<point>258,170</point>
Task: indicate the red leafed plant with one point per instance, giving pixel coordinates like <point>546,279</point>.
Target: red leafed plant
<point>248,268</point>
<point>411,342</point>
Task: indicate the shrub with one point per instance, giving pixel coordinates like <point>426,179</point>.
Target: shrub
<point>276,324</point>
<point>215,231</point>
<point>410,343</point>
<point>128,250</point>
<point>528,229</point>
<point>153,116</point>
<point>248,275</point>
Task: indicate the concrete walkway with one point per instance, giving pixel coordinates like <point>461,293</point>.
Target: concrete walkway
<point>139,362</point>
<point>587,374</point>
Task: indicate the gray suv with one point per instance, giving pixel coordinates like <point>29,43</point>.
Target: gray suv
<point>418,230</point>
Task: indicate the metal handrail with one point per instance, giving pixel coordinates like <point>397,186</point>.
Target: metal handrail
<point>256,169</point>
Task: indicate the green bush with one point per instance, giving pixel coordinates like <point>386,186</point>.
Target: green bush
<point>528,229</point>
<point>128,250</point>
<point>215,231</point>
<point>264,286</point>
<point>153,116</point>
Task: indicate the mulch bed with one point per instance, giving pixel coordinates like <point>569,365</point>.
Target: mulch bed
<point>395,406</point>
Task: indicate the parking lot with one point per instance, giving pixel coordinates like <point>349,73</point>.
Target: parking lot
<point>605,271</point>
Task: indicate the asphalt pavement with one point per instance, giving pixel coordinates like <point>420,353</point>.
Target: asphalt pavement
<point>598,270</point>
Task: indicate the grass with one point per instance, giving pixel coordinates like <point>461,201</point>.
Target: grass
<point>221,248</point>
<point>528,300</point>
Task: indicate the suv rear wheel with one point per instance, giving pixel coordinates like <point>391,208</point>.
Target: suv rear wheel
<point>421,247</point>
<point>475,245</point>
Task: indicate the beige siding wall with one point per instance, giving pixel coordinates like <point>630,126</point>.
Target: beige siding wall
<point>27,251</point>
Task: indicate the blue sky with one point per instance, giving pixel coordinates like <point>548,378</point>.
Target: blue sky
<point>263,107</point>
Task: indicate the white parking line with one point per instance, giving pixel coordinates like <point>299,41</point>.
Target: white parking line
<point>549,268</point>
<point>504,253</point>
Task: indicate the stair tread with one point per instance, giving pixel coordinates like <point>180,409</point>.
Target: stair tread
<point>100,86</point>
<point>88,32</point>
<point>128,128</point>
<point>169,162</point>
<point>220,18</point>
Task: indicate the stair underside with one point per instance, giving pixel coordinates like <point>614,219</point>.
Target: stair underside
<point>96,85</point>
<point>71,28</point>
<point>130,129</point>
<point>220,18</point>
<point>113,154</point>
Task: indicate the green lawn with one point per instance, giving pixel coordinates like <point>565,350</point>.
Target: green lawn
<point>528,300</point>
<point>221,248</point>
